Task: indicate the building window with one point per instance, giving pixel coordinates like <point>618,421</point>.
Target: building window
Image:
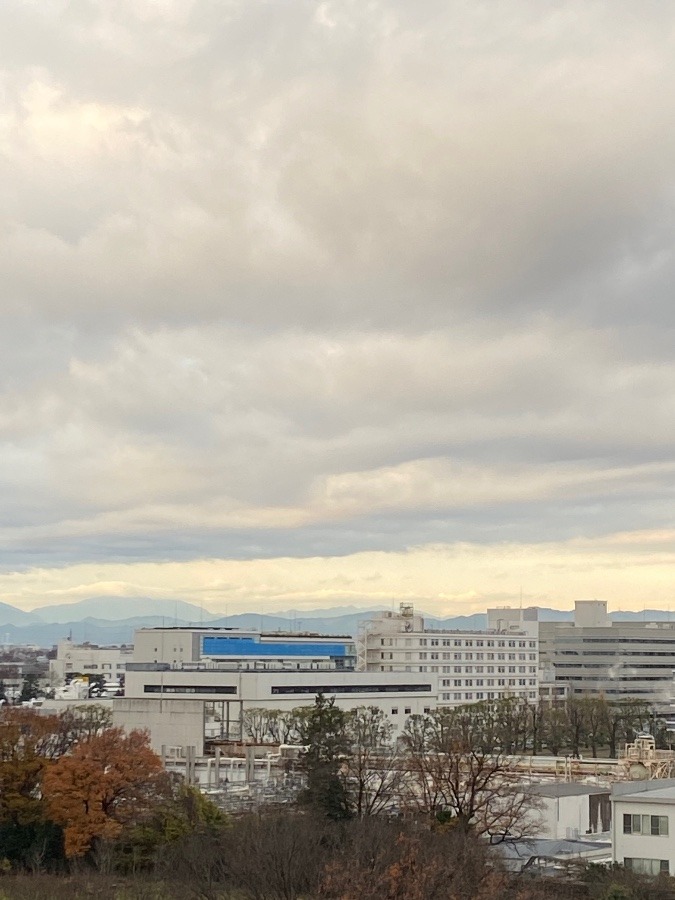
<point>652,825</point>
<point>646,866</point>
<point>407,710</point>
<point>394,710</point>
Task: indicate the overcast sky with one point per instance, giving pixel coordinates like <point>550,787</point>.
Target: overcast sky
<point>310,303</point>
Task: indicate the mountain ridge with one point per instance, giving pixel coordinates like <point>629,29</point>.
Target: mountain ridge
<point>20,627</point>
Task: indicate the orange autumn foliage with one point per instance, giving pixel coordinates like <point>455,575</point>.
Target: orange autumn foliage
<point>28,742</point>
<point>110,780</point>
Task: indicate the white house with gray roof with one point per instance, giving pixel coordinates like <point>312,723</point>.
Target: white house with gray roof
<point>643,825</point>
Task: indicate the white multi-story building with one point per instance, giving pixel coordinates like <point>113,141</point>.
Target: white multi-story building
<point>594,655</point>
<point>88,659</point>
<point>643,824</point>
<point>470,665</point>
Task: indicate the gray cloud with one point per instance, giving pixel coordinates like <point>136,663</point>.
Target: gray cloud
<point>307,279</point>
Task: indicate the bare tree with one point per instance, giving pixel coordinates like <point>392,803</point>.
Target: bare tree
<point>373,770</point>
<point>473,788</point>
<point>257,723</point>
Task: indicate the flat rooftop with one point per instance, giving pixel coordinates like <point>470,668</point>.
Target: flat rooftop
<point>565,789</point>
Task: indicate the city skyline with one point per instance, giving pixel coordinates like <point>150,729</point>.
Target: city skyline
<point>310,304</point>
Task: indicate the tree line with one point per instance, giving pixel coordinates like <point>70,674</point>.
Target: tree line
<point>590,725</point>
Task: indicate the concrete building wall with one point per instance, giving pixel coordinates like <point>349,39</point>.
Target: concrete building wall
<point>591,614</point>
<point>171,645</point>
<point>568,811</point>
<point>170,723</point>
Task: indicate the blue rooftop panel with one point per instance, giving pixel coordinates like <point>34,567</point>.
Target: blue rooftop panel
<point>238,646</point>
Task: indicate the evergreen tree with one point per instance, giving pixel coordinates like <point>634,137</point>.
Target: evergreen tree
<point>323,732</point>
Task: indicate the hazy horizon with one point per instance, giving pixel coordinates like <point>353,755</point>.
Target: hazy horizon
<point>311,304</point>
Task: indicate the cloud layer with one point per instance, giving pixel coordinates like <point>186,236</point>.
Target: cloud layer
<point>292,284</point>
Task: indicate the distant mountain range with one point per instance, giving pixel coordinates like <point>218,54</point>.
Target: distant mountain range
<point>113,620</point>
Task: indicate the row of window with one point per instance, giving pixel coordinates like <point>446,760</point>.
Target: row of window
<point>446,642</point>
<point>448,670</point>
<point>91,666</point>
<point>433,642</point>
<point>352,689</point>
<point>188,689</point>
<point>468,657</point>
<point>490,682</point>
<point>458,696</point>
<point>647,866</point>
<point>652,825</point>
<point>290,689</point>
<point>490,670</point>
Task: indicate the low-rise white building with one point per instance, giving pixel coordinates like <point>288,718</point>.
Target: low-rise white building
<point>152,688</point>
<point>88,659</point>
<point>570,810</point>
<point>643,825</point>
